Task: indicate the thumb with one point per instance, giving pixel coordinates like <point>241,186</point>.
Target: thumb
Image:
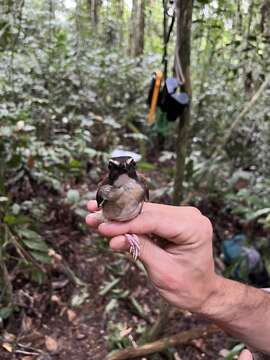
<point>150,254</point>
<point>245,355</point>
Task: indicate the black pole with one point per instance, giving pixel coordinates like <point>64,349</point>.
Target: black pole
<point>165,40</point>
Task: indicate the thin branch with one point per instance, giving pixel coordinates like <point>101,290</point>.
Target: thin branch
<point>239,118</point>
<point>10,67</point>
<point>181,338</point>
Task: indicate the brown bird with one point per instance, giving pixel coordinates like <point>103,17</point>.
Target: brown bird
<point>121,195</point>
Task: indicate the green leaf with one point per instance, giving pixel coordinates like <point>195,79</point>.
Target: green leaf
<point>113,303</point>
<point>143,165</point>
<point>42,257</point>
<point>75,164</point>
<point>16,209</point>
<point>29,234</point>
<point>6,131</point>
<point>5,312</point>
<point>22,219</point>
<point>37,276</point>
<point>235,351</point>
<point>137,306</point>
<point>36,245</point>
<point>267,221</point>
<point>258,213</point>
<point>79,299</point>
<point>109,287</point>
<point>10,219</point>
<point>81,212</point>
<point>73,196</point>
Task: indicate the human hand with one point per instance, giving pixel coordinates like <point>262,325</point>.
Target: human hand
<point>183,271</point>
<point>245,355</point>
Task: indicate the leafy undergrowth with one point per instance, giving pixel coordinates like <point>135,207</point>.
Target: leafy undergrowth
<point>85,320</point>
<point>90,295</point>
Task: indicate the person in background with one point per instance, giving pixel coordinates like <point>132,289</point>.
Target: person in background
<point>184,271</point>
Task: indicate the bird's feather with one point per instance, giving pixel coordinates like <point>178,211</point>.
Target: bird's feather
<point>101,194</point>
<point>143,181</point>
<point>122,192</point>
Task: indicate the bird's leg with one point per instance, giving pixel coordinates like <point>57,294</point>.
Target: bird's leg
<point>134,243</point>
<point>132,239</point>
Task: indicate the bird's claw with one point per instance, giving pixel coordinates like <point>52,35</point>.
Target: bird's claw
<point>134,243</point>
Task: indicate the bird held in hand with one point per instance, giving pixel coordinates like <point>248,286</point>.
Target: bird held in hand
<point>121,195</point>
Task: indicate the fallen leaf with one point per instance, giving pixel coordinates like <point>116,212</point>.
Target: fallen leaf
<point>81,336</point>
<point>34,337</point>
<point>71,315</point>
<point>7,346</point>
<point>20,125</point>
<point>52,253</point>
<point>125,332</point>
<point>26,324</point>
<point>27,358</point>
<point>199,343</point>
<point>56,285</point>
<point>56,299</point>
<point>51,344</point>
<point>9,337</point>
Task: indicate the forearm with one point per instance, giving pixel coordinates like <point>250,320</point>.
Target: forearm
<point>242,311</point>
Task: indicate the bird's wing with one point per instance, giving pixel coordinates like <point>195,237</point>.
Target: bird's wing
<point>103,190</point>
<point>143,181</point>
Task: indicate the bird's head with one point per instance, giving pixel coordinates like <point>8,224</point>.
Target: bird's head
<point>122,165</point>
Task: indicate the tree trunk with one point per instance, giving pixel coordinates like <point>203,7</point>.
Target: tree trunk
<point>140,30</point>
<point>120,6</point>
<point>265,29</point>
<point>182,53</point>
<point>137,24</point>
<point>265,20</point>
<point>183,50</point>
<point>238,17</point>
<point>132,27</point>
<point>248,76</point>
<point>93,9</point>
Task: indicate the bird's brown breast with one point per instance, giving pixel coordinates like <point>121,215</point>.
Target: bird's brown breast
<point>125,200</point>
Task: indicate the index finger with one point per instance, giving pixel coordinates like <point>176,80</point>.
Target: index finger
<point>92,206</point>
<point>166,221</point>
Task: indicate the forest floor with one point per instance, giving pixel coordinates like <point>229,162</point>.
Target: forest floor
<point>67,318</point>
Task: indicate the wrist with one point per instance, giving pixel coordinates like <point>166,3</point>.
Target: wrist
<point>214,305</point>
<point>241,310</point>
